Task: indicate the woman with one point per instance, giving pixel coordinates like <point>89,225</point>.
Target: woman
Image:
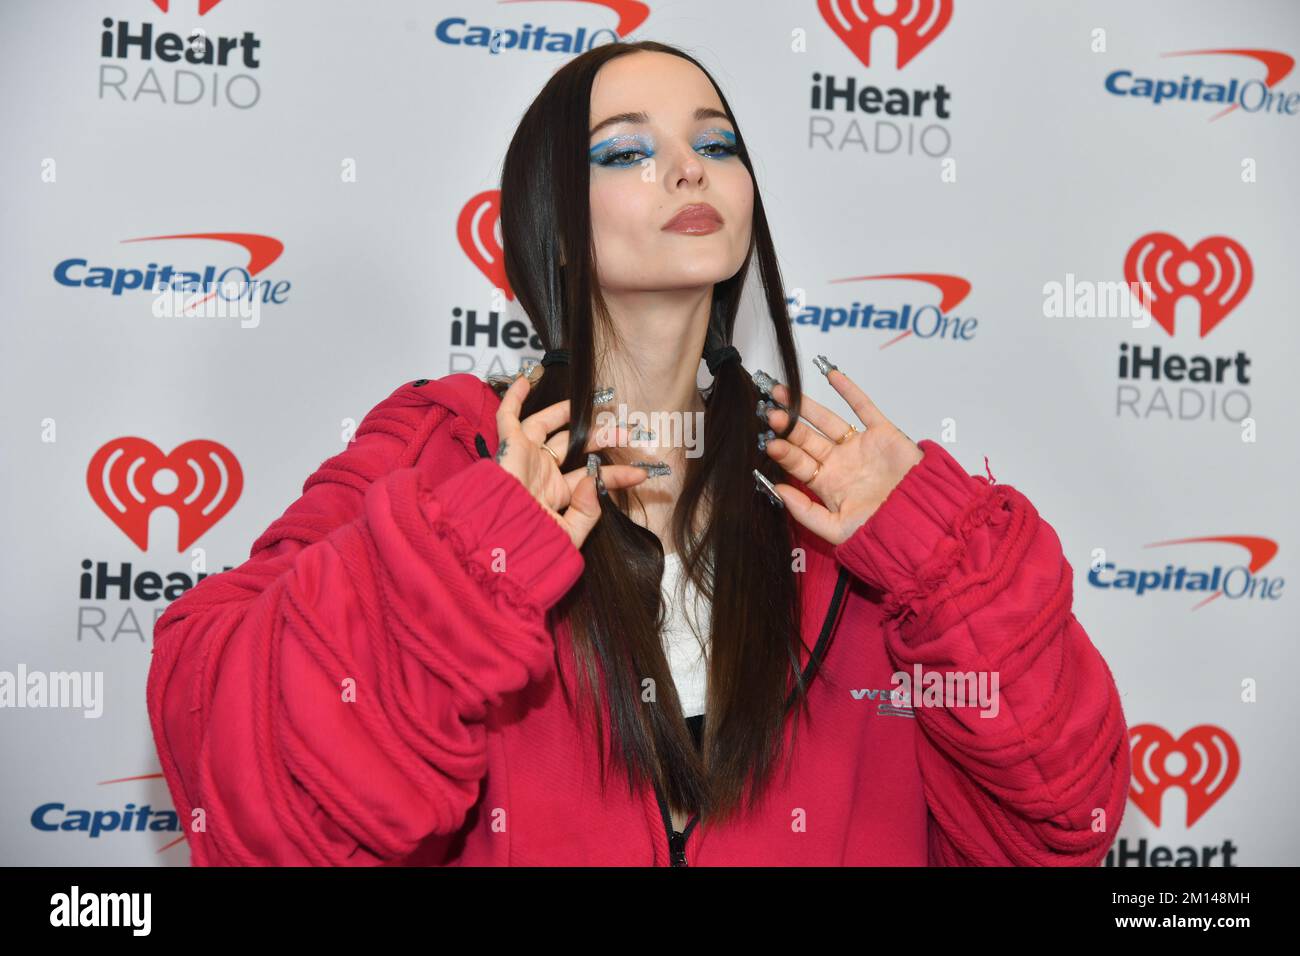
<point>455,647</point>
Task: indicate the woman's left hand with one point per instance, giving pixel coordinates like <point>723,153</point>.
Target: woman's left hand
<point>855,475</point>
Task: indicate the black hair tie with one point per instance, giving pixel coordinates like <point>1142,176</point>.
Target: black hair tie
<point>555,357</point>
<point>716,358</point>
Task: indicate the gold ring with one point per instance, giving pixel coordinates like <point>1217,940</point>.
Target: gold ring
<point>852,431</point>
<point>813,477</point>
<point>551,451</point>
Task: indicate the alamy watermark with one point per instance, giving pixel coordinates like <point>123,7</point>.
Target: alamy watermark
<point>224,300</point>
<point>1086,299</point>
<point>72,690</point>
<point>654,429</point>
<point>947,689</point>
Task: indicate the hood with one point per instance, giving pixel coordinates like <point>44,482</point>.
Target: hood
<point>472,404</point>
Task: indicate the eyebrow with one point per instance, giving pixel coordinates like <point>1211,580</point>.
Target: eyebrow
<point>701,113</point>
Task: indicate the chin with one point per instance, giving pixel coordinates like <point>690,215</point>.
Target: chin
<point>712,265</point>
<point>689,278</point>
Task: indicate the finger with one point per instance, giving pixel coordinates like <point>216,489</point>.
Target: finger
<point>541,423</point>
<point>614,476</point>
<point>512,402</point>
<point>862,406</point>
<point>794,460</point>
<point>827,422</point>
<point>807,512</point>
<point>782,395</point>
<point>606,436</point>
<point>584,501</point>
<point>803,435</point>
<point>555,456</point>
<point>583,511</point>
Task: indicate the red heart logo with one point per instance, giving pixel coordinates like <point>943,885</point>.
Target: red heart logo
<point>129,477</point>
<point>476,229</point>
<point>915,24</point>
<point>1212,764</point>
<point>1223,276</point>
<point>204,5</point>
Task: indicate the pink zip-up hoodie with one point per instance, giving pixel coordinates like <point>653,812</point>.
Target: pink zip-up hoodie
<point>372,687</point>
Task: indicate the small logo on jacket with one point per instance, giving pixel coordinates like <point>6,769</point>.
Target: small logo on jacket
<point>950,690</point>
<point>891,703</point>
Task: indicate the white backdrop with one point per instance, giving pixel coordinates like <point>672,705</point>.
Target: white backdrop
<point>334,153</point>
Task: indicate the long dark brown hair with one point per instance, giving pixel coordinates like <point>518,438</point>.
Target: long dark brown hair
<point>741,561</point>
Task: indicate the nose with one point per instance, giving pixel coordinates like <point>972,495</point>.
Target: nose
<point>688,170</point>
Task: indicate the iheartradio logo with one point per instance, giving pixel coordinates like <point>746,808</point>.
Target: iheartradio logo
<point>478,229</point>
<point>1209,763</point>
<point>200,480</point>
<point>915,24</point>
<point>204,5</point>
<point>1216,272</point>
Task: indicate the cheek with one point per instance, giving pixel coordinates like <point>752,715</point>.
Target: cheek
<point>601,207</point>
<point>622,214</point>
<point>741,200</point>
<point>616,208</point>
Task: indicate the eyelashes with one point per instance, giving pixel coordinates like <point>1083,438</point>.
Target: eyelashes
<point>625,152</point>
<point>728,149</point>
<point>618,157</point>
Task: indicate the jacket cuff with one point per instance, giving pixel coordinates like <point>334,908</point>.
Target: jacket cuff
<point>916,531</point>
<point>512,542</point>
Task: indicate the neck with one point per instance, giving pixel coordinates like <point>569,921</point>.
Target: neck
<point>654,365</point>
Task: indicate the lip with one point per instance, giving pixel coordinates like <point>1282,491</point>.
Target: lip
<point>695,219</point>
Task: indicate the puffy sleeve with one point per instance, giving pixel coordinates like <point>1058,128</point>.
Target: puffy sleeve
<point>324,702</point>
<point>974,581</point>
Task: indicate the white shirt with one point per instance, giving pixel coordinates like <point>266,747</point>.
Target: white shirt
<point>683,646</point>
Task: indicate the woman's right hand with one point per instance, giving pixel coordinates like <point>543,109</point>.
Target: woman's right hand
<point>571,499</point>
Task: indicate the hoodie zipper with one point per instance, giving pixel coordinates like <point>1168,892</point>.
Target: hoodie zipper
<point>677,838</point>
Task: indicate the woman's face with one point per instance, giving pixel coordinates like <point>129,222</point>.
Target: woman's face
<point>645,170</point>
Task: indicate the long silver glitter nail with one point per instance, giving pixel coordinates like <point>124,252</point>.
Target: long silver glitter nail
<point>593,469</point>
<point>764,381</point>
<point>825,365</point>
<point>602,395</point>
<point>762,484</point>
<point>654,468</point>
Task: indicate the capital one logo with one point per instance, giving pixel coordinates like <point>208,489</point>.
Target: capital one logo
<point>923,320</point>
<point>478,229</point>
<point>1216,272</point>
<point>1203,763</point>
<point>914,23</point>
<point>631,13</point>
<point>129,477</point>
